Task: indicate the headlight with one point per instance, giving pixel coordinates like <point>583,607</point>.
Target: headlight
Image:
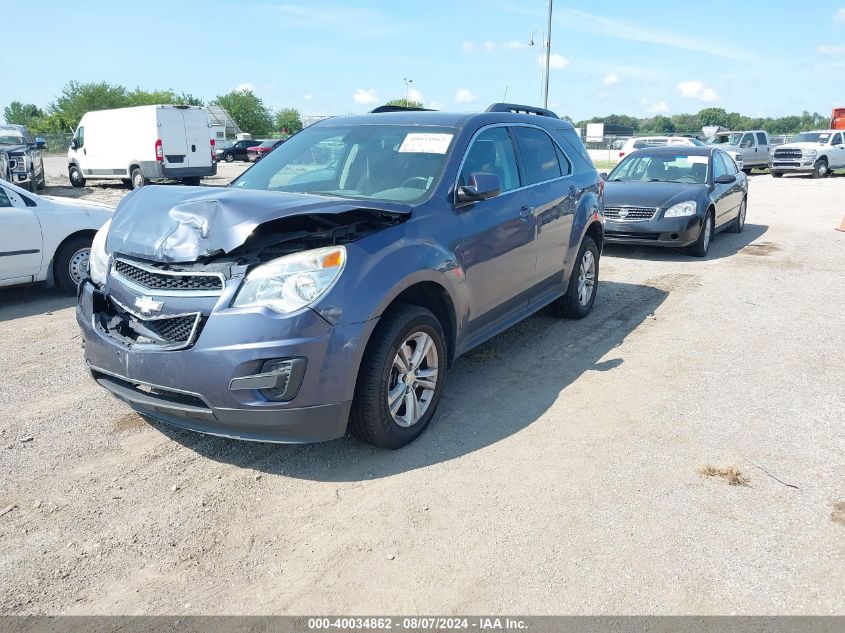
<point>98,262</point>
<point>680,210</point>
<point>294,281</point>
<point>809,152</point>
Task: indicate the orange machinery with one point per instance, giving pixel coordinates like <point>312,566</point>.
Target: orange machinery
<point>837,119</point>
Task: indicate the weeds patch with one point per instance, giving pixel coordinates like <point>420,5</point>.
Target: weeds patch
<point>731,474</point>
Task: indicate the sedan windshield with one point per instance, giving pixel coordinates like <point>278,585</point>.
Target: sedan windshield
<point>664,167</point>
<point>399,163</point>
<point>811,137</point>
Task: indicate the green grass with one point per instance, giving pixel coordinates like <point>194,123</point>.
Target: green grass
<point>604,165</point>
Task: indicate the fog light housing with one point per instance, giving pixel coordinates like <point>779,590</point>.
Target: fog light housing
<point>279,380</point>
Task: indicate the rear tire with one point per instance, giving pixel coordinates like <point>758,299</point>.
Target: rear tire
<point>192,181</point>
<point>75,176</point>
<point>138,178</point>
<point>70,266</point>
<point>381,376</point>
<point>702,244</point>
<point>583,284</point>
<point>739,223</point>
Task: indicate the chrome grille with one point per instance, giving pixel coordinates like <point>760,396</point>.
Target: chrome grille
<point>629,214</point>
<point>167,280</point>
<point>788,153</point>
<point>160,332</point>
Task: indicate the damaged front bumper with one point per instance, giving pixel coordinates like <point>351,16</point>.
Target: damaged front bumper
<point>245,373</point>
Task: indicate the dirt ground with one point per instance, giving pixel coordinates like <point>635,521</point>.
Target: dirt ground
<point>565,472</point>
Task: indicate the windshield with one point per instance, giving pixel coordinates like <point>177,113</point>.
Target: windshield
<point>696,142</point>
<point>10,136</point>
<point>664,167</point>
<point>224,145</point>
<point>394,163</point>
<point>725,139</point>
<point>269,143</point>
<point>811,137</point>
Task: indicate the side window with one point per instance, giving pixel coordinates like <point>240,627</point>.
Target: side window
<point>537,153</point>
<point>563,161</point>
<point>761,139</point>
<point>720,167</point>
<point>837,139</point>
<point>492,153</point>
<point>4,199</point>
<point>747,141</point>
<point>79,137</point>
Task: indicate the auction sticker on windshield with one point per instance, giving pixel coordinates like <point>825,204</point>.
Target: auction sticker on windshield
<point>418,143</point>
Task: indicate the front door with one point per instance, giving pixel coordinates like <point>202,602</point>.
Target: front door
<point>20,237</point>
<point>748,149</point>
<point>837,151</point>
<point>498,252</point>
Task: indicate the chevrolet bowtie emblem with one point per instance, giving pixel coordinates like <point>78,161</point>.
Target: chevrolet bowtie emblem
<point>148,305</point>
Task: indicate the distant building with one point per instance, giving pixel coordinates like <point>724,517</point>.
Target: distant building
<point>223,126</point>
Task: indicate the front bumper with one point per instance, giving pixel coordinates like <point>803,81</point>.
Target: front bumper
<point>794,166</point>
<point>671,232</point>
<point>191,388</point>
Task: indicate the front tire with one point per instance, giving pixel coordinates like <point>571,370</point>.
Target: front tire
<point>230,158</point>
<point>777,174</point>
<point>70,265</point>
<point>75,176</point>
<point>739,223</point>
<point>581,292</point>
<point>702,244</point>
<point>401,378</point>
<point>821,170</point>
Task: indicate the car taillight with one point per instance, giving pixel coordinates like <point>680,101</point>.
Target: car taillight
<point>212,148</point>
<point>159,151</point>
<point>621,154</point>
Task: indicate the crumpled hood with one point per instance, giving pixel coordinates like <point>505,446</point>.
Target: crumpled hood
<point>638,193</point>
<point>14,149</point>
<point>173,224</point>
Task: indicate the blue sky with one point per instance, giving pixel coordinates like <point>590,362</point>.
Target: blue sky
<point>637,58</point>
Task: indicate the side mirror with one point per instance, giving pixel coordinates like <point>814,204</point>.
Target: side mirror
<point>725,179</point>
<point>74,144</point>
<point>40,142</point>
<point>481,186</point>
<point>603,175</point>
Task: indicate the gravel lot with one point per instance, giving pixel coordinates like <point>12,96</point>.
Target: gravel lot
<point>561,474</point>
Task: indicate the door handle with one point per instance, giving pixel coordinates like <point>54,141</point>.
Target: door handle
<point>526,213</point>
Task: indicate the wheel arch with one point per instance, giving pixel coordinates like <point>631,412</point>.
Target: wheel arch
<point>434,297</point>
<point>51,272</point>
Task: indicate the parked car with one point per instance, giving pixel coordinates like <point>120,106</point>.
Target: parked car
<point>257,152</point>
<point>817,153</point>
<point>220,148</point>
<point>237,150</point>
<point>324,288</point>
<point>142,144</point>
<point>674,196</point>
<point>754,146</point>
<point>21,162</point>
<point>46,239</point>
<point>635,143</point>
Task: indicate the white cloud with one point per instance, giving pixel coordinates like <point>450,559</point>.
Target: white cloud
<point>654,107</point>
<point>556,61</point>
<point>307,97</point>
<point>415,95</point>
<point>611,80</point>
<point>367,97</point>
<point>245,86</point>
<point>489,46</point>
<point>467,46</point>
<point>697,90</point>
<point>836,49</point>
<point>464,96</point>
<point>514,45</point>
<point>839,18</point>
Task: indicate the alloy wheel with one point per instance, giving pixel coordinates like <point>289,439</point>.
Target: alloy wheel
<point>586,278</point>
<point>413,379</point>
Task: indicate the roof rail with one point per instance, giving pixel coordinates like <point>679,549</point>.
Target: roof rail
<point>521,109</point>
<point>397,108</point>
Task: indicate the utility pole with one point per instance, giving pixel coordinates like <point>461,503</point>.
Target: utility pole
<point>408,83</point>
<point>548,57</point>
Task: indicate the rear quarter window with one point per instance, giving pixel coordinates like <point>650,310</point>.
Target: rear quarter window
<point>573,146</point>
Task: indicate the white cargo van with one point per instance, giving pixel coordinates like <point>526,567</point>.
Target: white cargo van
<point>141,144</point>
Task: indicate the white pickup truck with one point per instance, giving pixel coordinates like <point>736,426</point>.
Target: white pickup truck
<point>817,153</point>
<point>753,145</point>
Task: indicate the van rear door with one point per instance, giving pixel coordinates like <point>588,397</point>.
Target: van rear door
<point>198,137</point>
<point>171,133</point>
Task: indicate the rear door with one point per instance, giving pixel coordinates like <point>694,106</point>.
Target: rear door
<point>171,132</point>
<point>20,237</point>
<point>197,138</point>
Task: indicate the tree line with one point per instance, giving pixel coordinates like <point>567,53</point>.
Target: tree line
<point>692,123</point>
<point>62,115</point>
